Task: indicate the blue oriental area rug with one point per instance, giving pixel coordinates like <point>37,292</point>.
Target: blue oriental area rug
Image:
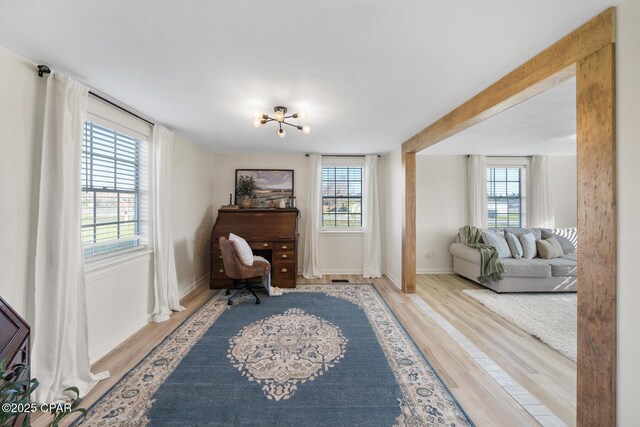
<point>320,355</point>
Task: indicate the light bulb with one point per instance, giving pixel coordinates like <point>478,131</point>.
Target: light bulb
<point>306,129</point>
<point>257,115</point>
<point>281,133</point>
<point>257,122</point>
<point>302,115</point>
<point>279,115</point>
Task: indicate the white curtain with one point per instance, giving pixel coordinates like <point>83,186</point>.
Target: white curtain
<point>310,264</point>
<point>477,184</point>
<point>60,356</point>
<point>540,201</point>
<point>372,246</point>
<point>165,283</point>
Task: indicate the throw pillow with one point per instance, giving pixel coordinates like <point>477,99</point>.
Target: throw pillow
<point>567,237</point>
<point>514,245</point>
<point>528,242</point>
<point>520,231</point>
<point>549,248</point>
<point>246,254</point>
<point>498,241</point>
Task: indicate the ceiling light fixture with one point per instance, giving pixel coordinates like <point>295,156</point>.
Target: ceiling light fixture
<point>280,116</point>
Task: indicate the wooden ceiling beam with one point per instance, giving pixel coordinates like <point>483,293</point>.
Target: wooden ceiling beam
<point>546,70</point>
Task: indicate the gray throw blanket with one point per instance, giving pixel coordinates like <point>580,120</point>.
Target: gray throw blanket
<point>490,266</point>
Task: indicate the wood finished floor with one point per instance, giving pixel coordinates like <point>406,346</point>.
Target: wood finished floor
<point>546,374</point>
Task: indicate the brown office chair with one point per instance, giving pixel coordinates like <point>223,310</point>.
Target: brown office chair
<point>234,268</point>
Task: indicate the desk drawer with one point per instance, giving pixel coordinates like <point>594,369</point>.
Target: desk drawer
<point>284,246</point>
<point>283,255</point>
<point>283,267</point>
<point>261,245</point>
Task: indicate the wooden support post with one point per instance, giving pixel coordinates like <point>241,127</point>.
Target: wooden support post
<point>597,236</point>
<point>409,224</point>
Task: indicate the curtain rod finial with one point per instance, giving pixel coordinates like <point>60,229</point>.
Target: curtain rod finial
<point>42,70</point>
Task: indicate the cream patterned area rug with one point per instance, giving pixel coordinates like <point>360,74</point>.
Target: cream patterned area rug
<point>319,355</point>
<point>549,317</point>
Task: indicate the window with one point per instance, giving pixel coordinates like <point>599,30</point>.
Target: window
<point>342,197</point>
<point>111,197</point>
<point>506,196</point>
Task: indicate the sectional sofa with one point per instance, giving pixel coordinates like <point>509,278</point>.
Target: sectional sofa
<point>525,275</point>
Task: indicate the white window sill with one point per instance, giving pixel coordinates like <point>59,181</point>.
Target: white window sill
<point>109,264</point>
<point>341,232</point>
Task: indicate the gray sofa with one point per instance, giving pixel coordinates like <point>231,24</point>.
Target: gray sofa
<point>525,275</point>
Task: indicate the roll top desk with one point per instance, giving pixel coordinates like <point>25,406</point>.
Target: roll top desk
<point>271,233</point>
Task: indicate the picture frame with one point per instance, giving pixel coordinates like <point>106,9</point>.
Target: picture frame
<point>273,185</point>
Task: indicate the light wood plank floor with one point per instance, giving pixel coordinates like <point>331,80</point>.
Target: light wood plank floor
<point>544,373</point>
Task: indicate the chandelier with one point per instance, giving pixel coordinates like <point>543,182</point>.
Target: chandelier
<point>280,117</point>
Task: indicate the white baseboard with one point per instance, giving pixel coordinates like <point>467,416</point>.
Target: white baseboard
<point>434,271</point>
<point>393,279</point>
<point>201,281</point>
<point>105,348</point>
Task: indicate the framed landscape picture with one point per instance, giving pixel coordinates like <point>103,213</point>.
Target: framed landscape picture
<point>272,185</point>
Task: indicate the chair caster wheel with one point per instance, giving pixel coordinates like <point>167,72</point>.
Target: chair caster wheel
<point>227,292</point>
<point>257,301</point>
<point>229,302</point>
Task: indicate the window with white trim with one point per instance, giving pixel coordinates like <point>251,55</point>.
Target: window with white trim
<point>113,186</point>
<point>506,194</point>
<point>342,197</point>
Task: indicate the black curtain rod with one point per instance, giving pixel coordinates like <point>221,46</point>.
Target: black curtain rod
<point>43,69</point>
<point>103,99</point>
<point>341,155</point>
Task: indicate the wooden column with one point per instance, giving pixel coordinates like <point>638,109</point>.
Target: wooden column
<point>409,224</point>
<point>597,239</point>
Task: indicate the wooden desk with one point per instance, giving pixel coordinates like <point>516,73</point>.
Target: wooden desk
<point>14,345</point>
<point>271,233</point>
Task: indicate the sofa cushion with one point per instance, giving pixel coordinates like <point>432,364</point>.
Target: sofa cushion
<point>549,248</point>
<point>573,257</point>
<point>514,245</point>
<point>528,242</point>
<point>520,231</point>
<point>561,267</point>
<point>525,268</point>
<point>567,237</point>
<point>498,241</point>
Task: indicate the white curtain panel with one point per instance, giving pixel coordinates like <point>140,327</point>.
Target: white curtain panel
<point>60,356</point>
<point>477,184</point>
<point>310,263</point>
<point>165,282</point>
<point>540,200</point>
<point>372,266</point>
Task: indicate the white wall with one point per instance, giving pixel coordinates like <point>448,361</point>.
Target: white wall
<point>192,211</point>
<point>119,296</point>
<point>20,87</point>
<point>564,190</point>
<point>441,209</point>
<point>394,185</point>
<point>628,153</point>
<point>339,253</point>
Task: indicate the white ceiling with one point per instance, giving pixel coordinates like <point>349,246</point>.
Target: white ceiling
<point>370,73</point>
<point>543,125</point>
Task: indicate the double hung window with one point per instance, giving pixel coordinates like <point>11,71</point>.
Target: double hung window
<point>342,197</point>
<point>113,181</point>
<point>506,195</point>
